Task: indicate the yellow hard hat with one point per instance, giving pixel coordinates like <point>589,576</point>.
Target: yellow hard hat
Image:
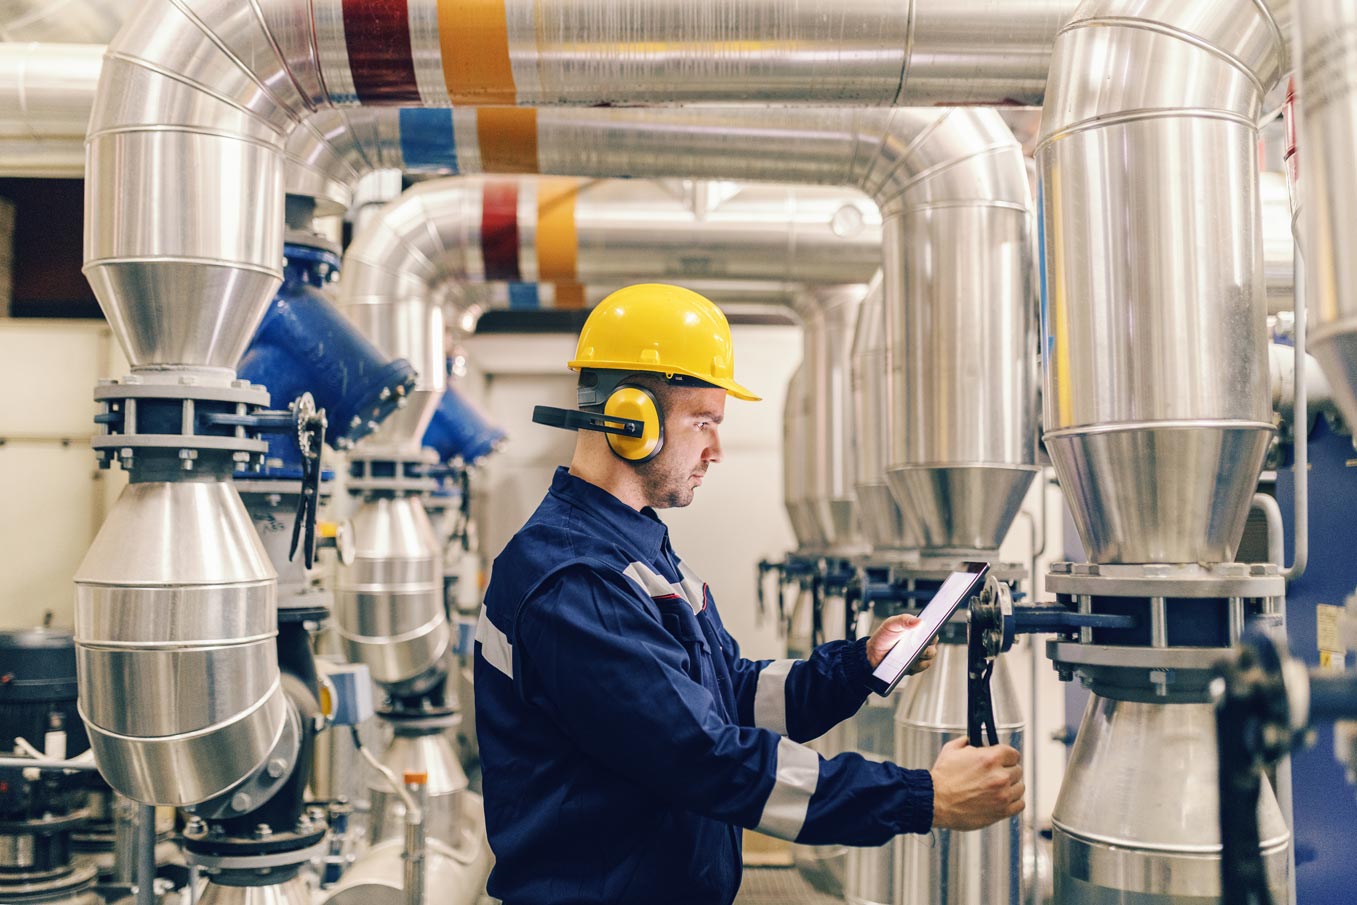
<point>662,329</point>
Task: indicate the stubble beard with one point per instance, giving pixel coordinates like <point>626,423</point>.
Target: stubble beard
<point>666,484</point>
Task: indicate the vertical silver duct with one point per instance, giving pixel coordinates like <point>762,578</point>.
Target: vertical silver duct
<point>1157,420</point>
<point>796,464</point>
<point>389,610</point>
<point>1327,107</point>
<point>962,347</point>
<point>1157,372</point>
<point>827,358</point>
<point>883,522</point>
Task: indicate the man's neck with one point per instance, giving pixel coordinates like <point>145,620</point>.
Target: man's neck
<point>617,478</point>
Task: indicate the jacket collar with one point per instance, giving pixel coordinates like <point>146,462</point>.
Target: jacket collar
<point>643,528</point>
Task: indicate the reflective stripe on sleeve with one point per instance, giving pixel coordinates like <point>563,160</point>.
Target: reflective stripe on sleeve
<point>770,696</point>
<point>494,645</point>
<point>798,773</point>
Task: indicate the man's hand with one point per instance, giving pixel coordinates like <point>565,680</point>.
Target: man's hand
<point>885,636</point>
<point>974,787</point>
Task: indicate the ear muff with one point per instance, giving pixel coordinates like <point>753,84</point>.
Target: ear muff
<point>635,402</point>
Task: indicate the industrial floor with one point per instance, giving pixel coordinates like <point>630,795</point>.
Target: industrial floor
<point>779,886</point>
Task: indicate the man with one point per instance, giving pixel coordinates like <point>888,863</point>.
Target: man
<point>624,740</point>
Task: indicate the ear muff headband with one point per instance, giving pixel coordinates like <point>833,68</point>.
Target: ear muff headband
<point>636,403</point>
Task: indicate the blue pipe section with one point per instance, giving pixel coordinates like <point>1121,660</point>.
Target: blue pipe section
<point>459,430</point>
<point>305,345</point>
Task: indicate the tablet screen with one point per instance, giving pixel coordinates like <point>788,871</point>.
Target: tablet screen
<point>956,590</point>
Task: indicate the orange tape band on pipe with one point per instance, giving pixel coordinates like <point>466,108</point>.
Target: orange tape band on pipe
<point>474,38</point>
<point>508,139</point>
<point>557,241</point>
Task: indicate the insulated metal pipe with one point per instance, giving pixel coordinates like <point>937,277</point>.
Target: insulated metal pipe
<point>46,91</point>
<point>572,232</point>
<point>74,21</point>
<point>883,523</point>
<point>1154,306</point>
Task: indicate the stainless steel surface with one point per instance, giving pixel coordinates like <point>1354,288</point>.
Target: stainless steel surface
<point>389,601</point>
<point>950,867</point>
<point>960,315</point>
<point>1198,507</point>
<point>46,91</point>
<point>1155,305</point>
<point>145,855</point>
<point>71,21</point>
<point>871,875</point>
<point>291,892</point>
<point>409,328</point>
<point>174,625</point>
<point>798,476</point>
<point>457,872</point>
<point>272,505</point>
<point>1279,242</point>
<point>584,53</point>
<point>827,356</point>
<point>1137,817</point>
<point>624,230</point>
<point>883,524</point>
<point>444,810</point>
<point>1327,108</point>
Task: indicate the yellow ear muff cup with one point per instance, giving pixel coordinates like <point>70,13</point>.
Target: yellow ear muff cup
<point>637,403</point>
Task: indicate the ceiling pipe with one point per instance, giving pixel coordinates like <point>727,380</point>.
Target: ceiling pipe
<point>573,233</point>
<point>46,92</point>
<point>68,21</point>
<point>1154,298</point>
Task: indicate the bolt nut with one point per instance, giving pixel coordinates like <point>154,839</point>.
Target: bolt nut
<point>241,801</point>
<point>263,831</point>
<point>277,767</point>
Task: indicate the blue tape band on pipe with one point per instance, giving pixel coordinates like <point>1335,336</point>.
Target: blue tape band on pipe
<point>427,139</point>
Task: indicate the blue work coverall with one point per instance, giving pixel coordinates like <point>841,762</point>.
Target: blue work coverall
<point>625,742</point>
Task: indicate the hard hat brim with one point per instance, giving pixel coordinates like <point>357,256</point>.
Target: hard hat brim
<point>730,386</point>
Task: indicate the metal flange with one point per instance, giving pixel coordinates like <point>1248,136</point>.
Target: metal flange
<point>1249,580</point>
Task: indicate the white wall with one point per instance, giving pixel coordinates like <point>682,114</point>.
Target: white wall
<point>737,517</point>
<point>53,497</point>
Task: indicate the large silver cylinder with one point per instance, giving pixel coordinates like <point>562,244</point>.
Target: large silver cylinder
<point>883,523</point>
<point>175,623</point>
<point>950,867</point>
<point>962,334</point>
<point>1327,106</point>
<point>389,609</point>
<point>1137,819</point>
<point>828,358</point>
<point>445,813</point>
<point>1157,407</point>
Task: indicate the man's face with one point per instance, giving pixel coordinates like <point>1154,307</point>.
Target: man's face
<point>691,444</point>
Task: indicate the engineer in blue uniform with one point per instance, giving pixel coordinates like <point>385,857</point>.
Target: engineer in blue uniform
<point>624,741</point>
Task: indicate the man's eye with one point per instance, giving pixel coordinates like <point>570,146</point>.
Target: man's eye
<point>702,425</point>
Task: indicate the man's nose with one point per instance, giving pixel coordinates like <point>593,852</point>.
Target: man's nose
<point>713,451</point>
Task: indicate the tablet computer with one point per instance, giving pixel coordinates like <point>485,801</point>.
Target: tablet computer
<point>956,590</point>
